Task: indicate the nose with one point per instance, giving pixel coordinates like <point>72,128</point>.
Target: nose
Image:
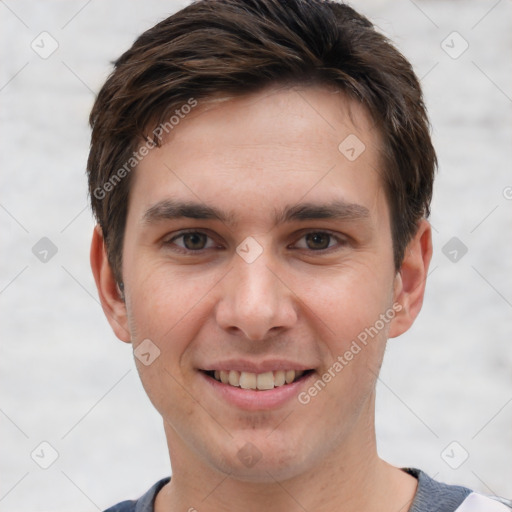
<point>255,300</point>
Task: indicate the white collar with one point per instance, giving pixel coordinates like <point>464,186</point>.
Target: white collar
<point>479,503</point>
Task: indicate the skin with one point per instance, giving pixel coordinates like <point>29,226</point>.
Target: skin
<point>251,157</point>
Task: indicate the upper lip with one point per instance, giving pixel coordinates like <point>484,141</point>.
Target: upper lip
<point>244,365</point>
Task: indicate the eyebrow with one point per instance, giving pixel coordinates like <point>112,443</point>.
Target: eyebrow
<point>169,209</point>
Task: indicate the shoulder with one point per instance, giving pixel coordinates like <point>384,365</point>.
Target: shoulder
<point>432,495</point>
<point>144,504</point>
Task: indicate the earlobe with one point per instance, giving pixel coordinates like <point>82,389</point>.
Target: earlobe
<point>410,282</point>
<point>111,297</point>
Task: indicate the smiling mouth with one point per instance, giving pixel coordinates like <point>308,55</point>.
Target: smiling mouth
<point>257,381</point>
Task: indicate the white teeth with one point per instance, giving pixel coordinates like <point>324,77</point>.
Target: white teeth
<point>289,376</point>
<point>248,380</point>
<point>261,381</point>
<point>234,378</point>
<point>279,378</point>
<point>265,380</point>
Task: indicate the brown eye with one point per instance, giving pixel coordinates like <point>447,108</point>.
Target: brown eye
<point>318,241</point>
<point>194,241</point>
<point>321,242</point>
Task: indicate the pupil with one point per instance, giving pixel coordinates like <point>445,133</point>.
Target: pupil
<point>318,240</point>
<point>194,241</point>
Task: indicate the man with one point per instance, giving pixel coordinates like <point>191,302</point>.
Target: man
<point>261,172</point>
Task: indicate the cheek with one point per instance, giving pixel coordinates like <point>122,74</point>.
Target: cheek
<point>347,301</point>
<point>163,385</point>
<point>166,308</point>
<point>165,302</point>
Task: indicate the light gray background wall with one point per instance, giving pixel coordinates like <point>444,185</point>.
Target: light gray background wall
<point>66,380</point>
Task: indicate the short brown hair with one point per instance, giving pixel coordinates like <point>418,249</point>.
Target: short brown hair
<point>241,46</point>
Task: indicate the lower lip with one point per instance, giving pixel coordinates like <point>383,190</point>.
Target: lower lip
<point>253,400</point>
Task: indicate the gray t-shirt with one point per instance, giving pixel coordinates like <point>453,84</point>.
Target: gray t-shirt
<point>431,496</point>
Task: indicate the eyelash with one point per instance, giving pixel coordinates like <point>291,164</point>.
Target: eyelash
<point>342,241</point>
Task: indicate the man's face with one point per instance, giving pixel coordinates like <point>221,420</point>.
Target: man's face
<point>254,245</point>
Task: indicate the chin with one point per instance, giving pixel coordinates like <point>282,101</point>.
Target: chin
<point>255,460</point>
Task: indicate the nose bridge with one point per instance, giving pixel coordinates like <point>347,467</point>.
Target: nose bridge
<point>254,301</point>
<point>255,282</point>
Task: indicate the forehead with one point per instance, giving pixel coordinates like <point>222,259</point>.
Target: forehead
<point>255,152</point>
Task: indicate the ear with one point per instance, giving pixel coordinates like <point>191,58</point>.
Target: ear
<point>410,281</point>
<point>111,299</point>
